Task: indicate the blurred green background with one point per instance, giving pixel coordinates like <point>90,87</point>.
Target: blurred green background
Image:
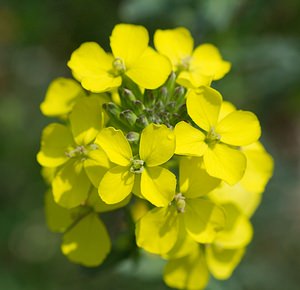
<point>260,38</point>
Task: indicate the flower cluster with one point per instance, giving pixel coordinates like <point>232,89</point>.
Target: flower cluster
<point>142,129</point>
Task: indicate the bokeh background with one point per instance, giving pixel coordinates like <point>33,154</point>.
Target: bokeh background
<point>260,38</point>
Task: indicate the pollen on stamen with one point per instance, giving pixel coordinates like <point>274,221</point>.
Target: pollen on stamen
<point>137,166</point>
<point>180,202</point>
<point>119,65</point>
<point>184,63</point>
<point>78,151</point>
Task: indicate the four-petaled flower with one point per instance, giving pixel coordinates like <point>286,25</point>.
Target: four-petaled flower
<point>157,184</point>
<point>194,67</point>
<point>99,71</point>
<point>222,136</point>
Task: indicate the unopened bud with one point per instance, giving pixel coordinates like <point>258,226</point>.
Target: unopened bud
<point>138,106</point>
<point>142,121</point>
<point>128,94</point>
<point>128,116</point>
<point>133,137</point>
<point>164,94</point>
<point>112,109</point>
<point>149,98</point>
<point>179,93</point>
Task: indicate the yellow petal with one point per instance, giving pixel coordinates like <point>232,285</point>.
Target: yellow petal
<point>226,109</point>
<point>61,96</point>
<point>138,209</point>
<point>96,166</point>
<point>157,144</point>
<point>225,163</point>
<point>184,245</point>
<point>86,120</point>
<point>260,166</point>
<point>203,107</point>
<point>176,44</point>
<point>238,230</point>
<point>48,174</point>
<point>58,218</point>
<point>128,42</point>
<point>194,180</point>
<point>115,145</point>
<point>158,185</point>
<point>245,200</point>
<point>208,58</point>
<point>116,184</point>
<point>55,142</point>
<point>239,128</point>
<point>71,185</point>
<point>203,220</point>
<point>189,272</point>
<point>102,82</point>
<point>193,79</point>
<point>136,190</point>
<point>91,66</point>
<point>157,231</point>
<point>95,201</point>
<point>151,70</point>
<point>87,243</point>
<point>222,262</point>
<point>189,140</point>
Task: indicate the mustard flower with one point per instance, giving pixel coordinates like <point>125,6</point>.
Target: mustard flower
<point>157,184</point>
<point>99,71</point>
<point>159,229</point>
<point>72,151</point>
<point>219,139</point>
<point>194,67</point>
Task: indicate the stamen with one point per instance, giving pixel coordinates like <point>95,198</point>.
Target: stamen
<point>137,166</point>
<point>213,136</point>
<point>78,151</point>
<point>180,202</point>
<point>184,63</point>
<point>119,65</point>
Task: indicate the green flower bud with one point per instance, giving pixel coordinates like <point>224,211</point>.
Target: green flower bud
<point>142,121</point>
<point>112,109</point>
<point>128,116</point>
<point>133,137</point>
<point>138,107</point>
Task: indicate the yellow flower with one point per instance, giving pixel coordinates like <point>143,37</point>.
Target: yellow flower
<point>99,71</point>
<point>195,68</point>
<point>222,135</point>
<point>78,161</point>
<point>157,184</point>
<point>220,257</point>
<point>160,229</point>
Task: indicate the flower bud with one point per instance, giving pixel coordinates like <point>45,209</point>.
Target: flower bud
<point>142,121</point>
<point>112,109</point>
<point>133,137</point>
<point>128,116</point>
<point>138,107</point>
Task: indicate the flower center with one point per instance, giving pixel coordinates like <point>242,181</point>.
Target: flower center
<point>81,151</point>
<point>180,202</point>
<point>184,63</point>
<point>212,137</point>
<point>119,66</point>
<point>137,166</point>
